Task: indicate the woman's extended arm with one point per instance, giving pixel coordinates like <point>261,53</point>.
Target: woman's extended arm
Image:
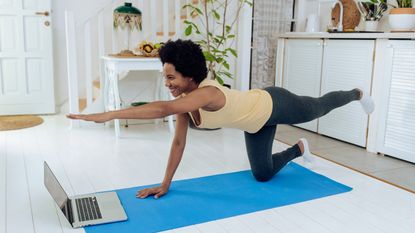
<point>176,153</point>
<point>158,109</point>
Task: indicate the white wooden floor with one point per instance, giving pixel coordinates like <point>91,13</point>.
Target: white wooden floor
<point>108,163</point>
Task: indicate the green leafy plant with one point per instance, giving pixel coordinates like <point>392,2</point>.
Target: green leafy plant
<point>372,10</point>
<point>212,27</point>
<point>403,4</point>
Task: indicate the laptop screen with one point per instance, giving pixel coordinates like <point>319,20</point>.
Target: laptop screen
<point>55,189</point>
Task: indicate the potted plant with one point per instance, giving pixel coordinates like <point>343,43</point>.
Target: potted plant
<point>402,16</point>
<point>372,11</point>
<point>212,27</point>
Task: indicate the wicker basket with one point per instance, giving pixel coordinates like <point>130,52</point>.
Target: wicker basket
<point>153,53</point>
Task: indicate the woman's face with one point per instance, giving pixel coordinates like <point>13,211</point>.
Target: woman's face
<point>175,81</point>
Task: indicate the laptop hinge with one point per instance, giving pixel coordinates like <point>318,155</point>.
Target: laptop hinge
<point>70,213</point>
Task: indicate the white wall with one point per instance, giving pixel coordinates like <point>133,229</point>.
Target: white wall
<point>243,65</point>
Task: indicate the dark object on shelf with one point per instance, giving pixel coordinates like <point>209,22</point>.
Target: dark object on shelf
<point>335,31</point>
<point>135,104</point>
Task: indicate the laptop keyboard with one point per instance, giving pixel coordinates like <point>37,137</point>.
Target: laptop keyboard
<point>88,209</point>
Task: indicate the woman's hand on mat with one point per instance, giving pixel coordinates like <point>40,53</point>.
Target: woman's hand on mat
<point>97,117</point>
<point>156,191</point>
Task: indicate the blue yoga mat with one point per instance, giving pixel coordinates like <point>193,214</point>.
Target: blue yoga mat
<point>215,197</point>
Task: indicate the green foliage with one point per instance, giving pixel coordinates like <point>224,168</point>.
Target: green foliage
<point>404,3</point>
<point>373,9</point>
<point>215,34</point>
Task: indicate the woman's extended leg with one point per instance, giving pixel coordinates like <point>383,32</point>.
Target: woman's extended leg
<point>289,108</point>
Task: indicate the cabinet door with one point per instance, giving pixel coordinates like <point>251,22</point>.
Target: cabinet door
<point>302,70</point>
<point>347,64</point>
<point>397,115</point>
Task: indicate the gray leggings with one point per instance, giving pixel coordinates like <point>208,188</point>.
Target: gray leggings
<point>288,108</point>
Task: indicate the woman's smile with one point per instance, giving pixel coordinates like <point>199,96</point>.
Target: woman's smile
<point>174,91</point>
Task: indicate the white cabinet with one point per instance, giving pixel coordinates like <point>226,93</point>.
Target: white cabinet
<point>314,67</point>
<point>347,64</point>
<point>397,113</point>
<point>302,70</point>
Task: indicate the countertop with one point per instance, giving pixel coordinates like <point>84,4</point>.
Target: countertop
<point>349,35</point>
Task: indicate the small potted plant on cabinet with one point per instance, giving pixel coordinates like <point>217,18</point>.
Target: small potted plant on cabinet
<point>402,16</point>
<point>372,11</point>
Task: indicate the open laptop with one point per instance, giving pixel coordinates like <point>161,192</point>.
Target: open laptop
<point>84,210</point>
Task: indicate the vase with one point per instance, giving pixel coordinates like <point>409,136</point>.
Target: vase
<point>371,25</point>
<point>351,15</point>
<point>402,19</point>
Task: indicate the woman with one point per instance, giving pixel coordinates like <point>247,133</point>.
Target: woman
<point>210,105</point>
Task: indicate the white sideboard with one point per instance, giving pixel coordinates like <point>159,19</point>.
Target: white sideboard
<point>394,131</point>
<point>382,64</point>
<point>303,59</point>
<point>347,64</point>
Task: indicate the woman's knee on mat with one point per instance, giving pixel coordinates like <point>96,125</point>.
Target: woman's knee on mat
<point>262,175</point>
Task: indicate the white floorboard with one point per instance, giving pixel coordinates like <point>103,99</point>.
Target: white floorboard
<point>19,216</point>
<point>3,177</point>
<point>212,227</point>
<point>235,224</point>
<point>280,221</point>
<point>43,208</point>
<point>88,160</point>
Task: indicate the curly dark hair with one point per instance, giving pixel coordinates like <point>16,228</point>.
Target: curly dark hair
<point>187,58</point>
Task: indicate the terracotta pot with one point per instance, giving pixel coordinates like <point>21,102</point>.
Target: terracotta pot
<point>394,11</point>
<point>402,19</point>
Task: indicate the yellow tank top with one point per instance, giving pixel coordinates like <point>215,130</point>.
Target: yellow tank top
<point>245,110</point>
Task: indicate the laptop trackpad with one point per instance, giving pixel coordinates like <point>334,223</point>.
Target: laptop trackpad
<point>110,206</point>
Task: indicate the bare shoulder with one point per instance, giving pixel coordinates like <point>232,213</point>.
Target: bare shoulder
<point>204,95</point>
<point>194,100</point>
<point>206,91</point>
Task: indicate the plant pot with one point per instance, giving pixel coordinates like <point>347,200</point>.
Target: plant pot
<point>402,19</point>
<point>371,25</point>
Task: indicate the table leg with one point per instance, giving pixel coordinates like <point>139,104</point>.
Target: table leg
<point>104,81</point>
<point>162,95</point>
<point>157,94</point>
<point>113,77</point>
<point>170,118</point>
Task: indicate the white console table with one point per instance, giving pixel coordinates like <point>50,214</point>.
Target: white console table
<point>112,67</point>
